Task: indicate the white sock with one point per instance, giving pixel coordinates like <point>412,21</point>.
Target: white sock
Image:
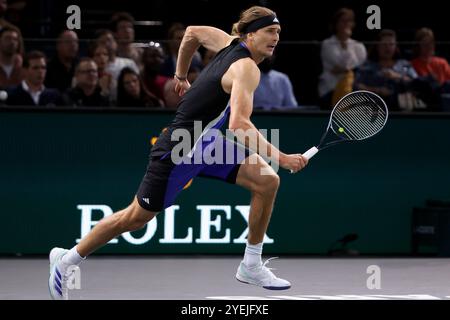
<point>72,258</point>
<point>252,256</point>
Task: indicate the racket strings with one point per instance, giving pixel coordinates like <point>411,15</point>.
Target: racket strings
<point>378,114</point>
<point>348,133</point>
<point>357,122</point>
<point>345,124</point>
<point>359,116</point>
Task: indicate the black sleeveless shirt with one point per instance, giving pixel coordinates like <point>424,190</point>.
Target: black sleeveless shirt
<point>205,101</point>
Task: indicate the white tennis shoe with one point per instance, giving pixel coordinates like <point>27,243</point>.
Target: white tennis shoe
<point>261,276</point>
<point>57,282</point>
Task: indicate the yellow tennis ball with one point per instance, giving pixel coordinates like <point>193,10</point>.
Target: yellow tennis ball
<point>341,130</point>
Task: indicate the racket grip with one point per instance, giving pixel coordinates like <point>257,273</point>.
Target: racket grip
<point>309,154</point>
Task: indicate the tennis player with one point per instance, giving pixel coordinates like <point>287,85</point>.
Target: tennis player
<point>224,89</point>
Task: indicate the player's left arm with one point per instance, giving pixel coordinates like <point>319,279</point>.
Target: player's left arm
<point>245,79</point>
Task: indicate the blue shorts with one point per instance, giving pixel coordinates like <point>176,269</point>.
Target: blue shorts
<point>164,179</point>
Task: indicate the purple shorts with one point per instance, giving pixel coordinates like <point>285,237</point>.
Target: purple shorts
<point>164,179</point>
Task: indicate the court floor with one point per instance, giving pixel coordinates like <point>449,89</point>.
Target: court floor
<point>206,277</point>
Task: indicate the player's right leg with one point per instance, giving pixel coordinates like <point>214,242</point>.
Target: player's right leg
<point>63,262</point>
<point>132,218</point>
<point>157,191</point>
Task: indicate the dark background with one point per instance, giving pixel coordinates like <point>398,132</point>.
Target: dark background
<point>304,25</point>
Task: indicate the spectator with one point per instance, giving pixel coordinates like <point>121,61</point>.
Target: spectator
<point>116,64</point>
<point>153,59</point>
<point>87,92</point>
<point>340,55</point>
<point>32,92</point>
<point>425,62</point>
<point>274,90</point>
<point>175,34</point>
<point>131,92</point>
<point>171,98</point>
<point>385,73</point>
<point>61,68</point>
<point>433,70</point>
<point>101,56</point>
<point>11,73</point>
<point>122,24</point>
<point>6,24</point>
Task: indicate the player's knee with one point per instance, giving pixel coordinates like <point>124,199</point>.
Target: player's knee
<point>268,184</point>
<point>273,182</point>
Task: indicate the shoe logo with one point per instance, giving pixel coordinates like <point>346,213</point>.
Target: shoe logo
<point>146,200</point>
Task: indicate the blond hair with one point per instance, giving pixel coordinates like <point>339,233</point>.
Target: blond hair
<point>247,16</point>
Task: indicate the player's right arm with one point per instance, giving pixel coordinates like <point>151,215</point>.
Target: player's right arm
<point>195,36</point>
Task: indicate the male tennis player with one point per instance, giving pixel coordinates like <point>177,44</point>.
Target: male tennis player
<point>225,87</point>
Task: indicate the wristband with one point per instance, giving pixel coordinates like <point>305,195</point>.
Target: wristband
<point>180,78</point>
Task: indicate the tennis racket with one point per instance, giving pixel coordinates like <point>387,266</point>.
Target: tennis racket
<point>356,116</point>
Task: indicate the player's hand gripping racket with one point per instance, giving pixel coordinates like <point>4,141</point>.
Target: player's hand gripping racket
<point>356,116</point>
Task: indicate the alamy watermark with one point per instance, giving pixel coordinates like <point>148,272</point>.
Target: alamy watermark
<point>74,280</point>
<point>74,20</point>
<point>210,146</point>
<point>374,20</point>
<point>374,280</point>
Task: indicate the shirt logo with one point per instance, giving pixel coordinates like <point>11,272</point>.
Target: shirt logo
<point>146,200</point>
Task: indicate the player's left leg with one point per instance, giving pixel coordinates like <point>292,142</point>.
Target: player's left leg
<point>254,174</point>
<point>263,188</point>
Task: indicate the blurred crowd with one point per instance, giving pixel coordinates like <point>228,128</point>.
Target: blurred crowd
<point>118,72</point>
<point>114,73</point>
<point>420,83</point>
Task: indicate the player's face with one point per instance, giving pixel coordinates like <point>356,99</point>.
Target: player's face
<point>266,39</point>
